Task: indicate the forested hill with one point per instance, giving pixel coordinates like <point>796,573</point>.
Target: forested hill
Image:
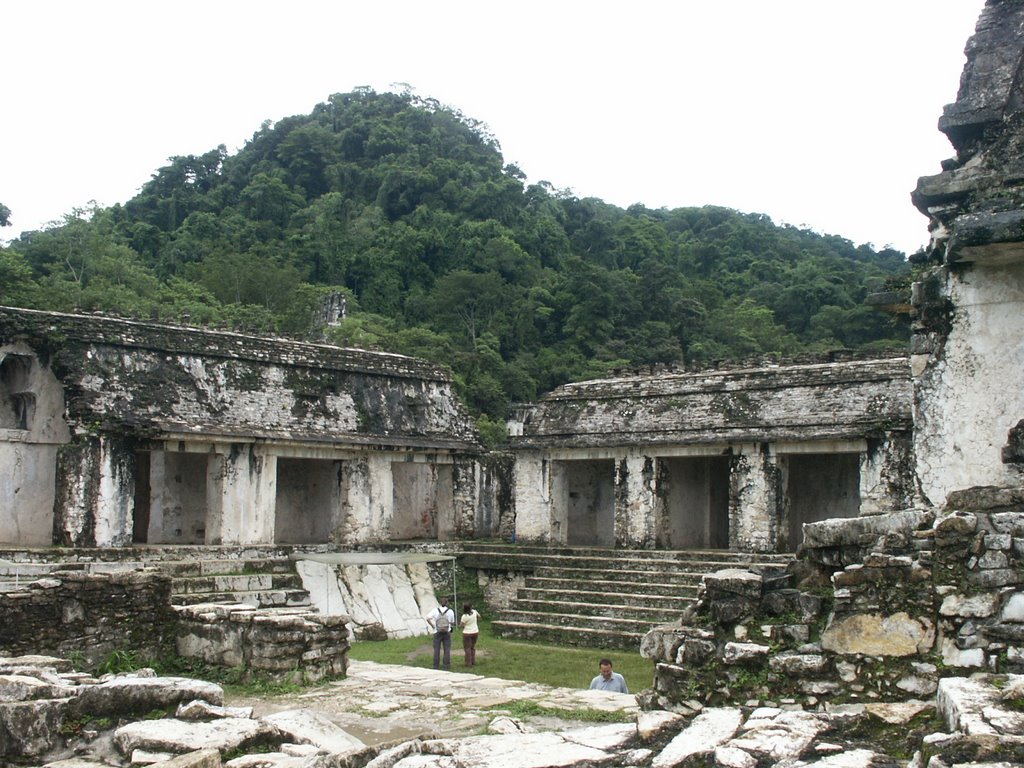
<point>444,252</point>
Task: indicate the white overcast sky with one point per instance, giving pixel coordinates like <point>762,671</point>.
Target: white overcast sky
<point>818,113</point>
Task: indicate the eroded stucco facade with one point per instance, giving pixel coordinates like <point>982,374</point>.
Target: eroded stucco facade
<point>116,432</point>
<point>968,304</point>
<point>734,459</point>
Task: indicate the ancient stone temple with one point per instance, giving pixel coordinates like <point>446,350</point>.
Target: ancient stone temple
<point>114,432</point>
<point>721,459</point>
<point>968,349</point>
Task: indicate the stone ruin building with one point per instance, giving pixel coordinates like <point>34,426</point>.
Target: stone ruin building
<point>115,432</point>
<point>727,459</point>
<point>898,480</point>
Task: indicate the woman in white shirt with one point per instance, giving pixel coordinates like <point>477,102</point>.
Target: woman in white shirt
<point>470,631</point>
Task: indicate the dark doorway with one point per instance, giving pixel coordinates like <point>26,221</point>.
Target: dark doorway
<point>697,503</point>
<point>590,502</point>
<point>820,487</point>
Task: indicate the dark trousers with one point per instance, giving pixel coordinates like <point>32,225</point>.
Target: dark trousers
<point>443,639</point>
<point>469,648</point>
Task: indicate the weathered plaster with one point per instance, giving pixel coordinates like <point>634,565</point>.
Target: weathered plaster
<point>665,432</point>
<point>27,481</point>
<point>753,501</point>
<point>969,397</point>
<point>636,513</point>
<point>147,398</point>
<point>532,483</point>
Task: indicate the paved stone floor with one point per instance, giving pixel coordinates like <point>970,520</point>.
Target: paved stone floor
<point>381,703</point>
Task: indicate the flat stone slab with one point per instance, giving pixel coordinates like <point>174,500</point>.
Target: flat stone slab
<point>525,750</point>
<point>308,727</point>
<point>973,705</point>
<point>141,695</point>
<point>180,736</point>
<point>710,729</point>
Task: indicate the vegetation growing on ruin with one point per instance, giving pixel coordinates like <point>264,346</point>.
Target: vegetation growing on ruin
<point>444,251</point>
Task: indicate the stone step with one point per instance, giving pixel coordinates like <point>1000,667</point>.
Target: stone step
<point>249,582</point>
<point>623,576</point>
<point>561,635</point>
<point>10,571</point>
<point>278,598</point>
<point>596,597</point>
<point>724,557</point>
<point>690,563</point>
<point>484,547</point>
<point>580,621</point>
<point>613,585</point>
<point>603,611</point>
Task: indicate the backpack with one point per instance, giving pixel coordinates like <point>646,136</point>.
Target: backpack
<point>443,623</point>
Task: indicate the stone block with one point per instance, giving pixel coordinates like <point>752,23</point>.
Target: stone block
<point>964,606</point>
<point>879,635</point>
<point>743,653</point>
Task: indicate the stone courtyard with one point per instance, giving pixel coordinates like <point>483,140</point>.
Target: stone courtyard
<point>238,501</point>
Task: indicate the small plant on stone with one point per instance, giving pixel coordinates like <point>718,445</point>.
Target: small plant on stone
<point>121,660</point>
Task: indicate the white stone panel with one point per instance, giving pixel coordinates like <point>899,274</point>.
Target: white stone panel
<point>27,480</point>
<point>963,415</point>
<point>532,496</point>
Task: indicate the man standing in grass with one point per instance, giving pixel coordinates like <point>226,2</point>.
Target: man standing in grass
<point>441,620</point>
<point>608,680</point>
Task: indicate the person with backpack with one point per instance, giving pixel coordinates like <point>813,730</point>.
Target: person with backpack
<point>441,620</point>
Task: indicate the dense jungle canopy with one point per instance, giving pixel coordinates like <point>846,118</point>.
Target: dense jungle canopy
<point>443,251</point>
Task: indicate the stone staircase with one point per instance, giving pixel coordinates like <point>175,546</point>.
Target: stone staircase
<point>261,577</point>
<point>602,598</point>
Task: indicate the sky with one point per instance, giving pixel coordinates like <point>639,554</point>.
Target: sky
<point>818,113</point>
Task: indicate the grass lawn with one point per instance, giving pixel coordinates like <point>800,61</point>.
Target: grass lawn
<point>563,666</point>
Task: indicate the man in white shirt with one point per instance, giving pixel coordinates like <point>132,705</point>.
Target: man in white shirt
<point>441,620</point>
<point>608,680</point>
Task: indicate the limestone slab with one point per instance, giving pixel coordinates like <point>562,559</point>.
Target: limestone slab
<point>179,736</point>
<point>710,729</point>
<point>308,727</point>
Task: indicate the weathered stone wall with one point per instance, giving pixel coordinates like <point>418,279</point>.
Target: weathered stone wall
<point>32,428</point>
<point>968,303</point>
<point>307,647</point>
<point>118,402</point>
<point>149,379</point>
<point>658,433</point>
<point>76,614</point>
<point>970,391</point>
<point>908,598</point>
<point>780,403</point>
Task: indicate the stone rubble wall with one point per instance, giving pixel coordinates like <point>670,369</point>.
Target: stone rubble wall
<point>89,616</point>
<point>883,607</point>
<point>298,645</point>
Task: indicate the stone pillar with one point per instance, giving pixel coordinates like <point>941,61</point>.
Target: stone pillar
<point>464,498</point>
<point>95,492</point>
<point>369,500</point>
<point>887,475</point>
<point>636,508</point>
<point>754,500</point>
<point>533,494</point>
<point>243,490</point>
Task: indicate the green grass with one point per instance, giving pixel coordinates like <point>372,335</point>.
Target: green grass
<point>562,666</point>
